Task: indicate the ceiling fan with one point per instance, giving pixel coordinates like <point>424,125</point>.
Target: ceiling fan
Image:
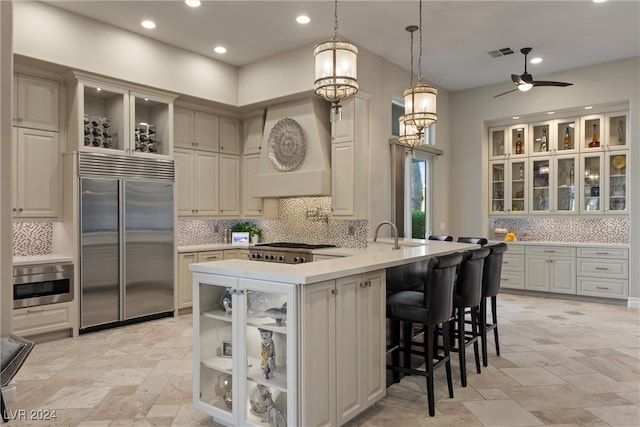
<point>525,82</point>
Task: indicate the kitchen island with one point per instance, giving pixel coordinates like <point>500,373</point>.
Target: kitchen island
<point>303,343</point>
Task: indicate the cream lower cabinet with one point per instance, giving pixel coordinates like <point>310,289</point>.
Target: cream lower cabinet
<point>185,278</point>
<point>343,331</point>
<point>603,272</point>
<point>37,174</point>
<point>513,268</point>
<point>229,382</point>
<point>551,269</point>
<point>31,321</point>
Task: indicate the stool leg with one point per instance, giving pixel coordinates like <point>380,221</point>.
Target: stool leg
<point>407,339</point>
<point>428,356</point>
<point>483,330</point>
<point>462,356</point>
<point>494,315</point>
<point>475,333</point>
<point>447,355</point>
<point>394,338</point>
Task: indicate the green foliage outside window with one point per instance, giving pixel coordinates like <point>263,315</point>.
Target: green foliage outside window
<point>418,226</point>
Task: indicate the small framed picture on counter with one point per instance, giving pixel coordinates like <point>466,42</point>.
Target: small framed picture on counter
<point>240,238</point>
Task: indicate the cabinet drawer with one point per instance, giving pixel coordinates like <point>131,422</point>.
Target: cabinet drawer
<point>512,280</point>
<point>515,249</point>
<point>512,262</point>
<point>604,252</point>
<point>610,269</point>
<point>210,256</point>
<point>551,250</point>
<point>603,288</point>
<point>37,320</point>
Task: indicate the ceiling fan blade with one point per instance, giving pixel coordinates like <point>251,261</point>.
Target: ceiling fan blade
<point>547,83</point>
<point>504,93</point>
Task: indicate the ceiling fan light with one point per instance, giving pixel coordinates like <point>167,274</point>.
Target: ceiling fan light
<point>524,87</point>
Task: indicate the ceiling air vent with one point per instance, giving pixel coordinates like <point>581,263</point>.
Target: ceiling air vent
<point>501,52</point>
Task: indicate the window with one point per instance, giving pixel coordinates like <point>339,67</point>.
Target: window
<point>417,204</point>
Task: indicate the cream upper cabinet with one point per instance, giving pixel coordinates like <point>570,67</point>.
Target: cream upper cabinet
<point>229,183</point>
<point>37,174</point>
<point>508,190</point>
<point>196,182</point>
<point>36,103</point>
<point>349,170</point>
<point>253,135</point>
<point>206,131</point>
<point>499,146</point>
<point>229,135</point>
<point>183,131</point>
<point>616,131</point>
<point>542,138</point>
<point>251,206</point>
<point>110,118</point>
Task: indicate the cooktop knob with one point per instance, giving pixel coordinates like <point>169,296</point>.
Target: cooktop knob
<point>281,258</point>
<point>296,259</point>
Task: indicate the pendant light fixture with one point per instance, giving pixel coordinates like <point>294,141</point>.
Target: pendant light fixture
<point>408,134</point>
<point>420,100</point>
<point>336,69</point>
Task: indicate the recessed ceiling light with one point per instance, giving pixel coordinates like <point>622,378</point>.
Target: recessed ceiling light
<point>599,1</point>
<point>98,89</point>
<point>303,19</point>
<point>536,60</point>
<point>220,49</point>
<point>551,112</point>
<point>515,117</point>
<point>192,3</point>
<point>588,107</point>
<point>149,25</point>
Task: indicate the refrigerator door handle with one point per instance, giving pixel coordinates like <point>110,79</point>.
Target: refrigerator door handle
<point>123,261</point>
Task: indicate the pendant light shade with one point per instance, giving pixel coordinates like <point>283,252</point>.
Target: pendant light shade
<point>420,100</point>
<point>336,69</point>
<point>408,134</point>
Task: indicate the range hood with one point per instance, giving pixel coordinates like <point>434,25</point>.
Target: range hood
<point>295,159</point>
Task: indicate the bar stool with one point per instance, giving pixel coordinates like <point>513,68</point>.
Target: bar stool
<point>432,307</point>
<point>477,240</point>
<point>15,350</point>
<point>442,238</point>
<point>468,295</point>
<point>490,289</point>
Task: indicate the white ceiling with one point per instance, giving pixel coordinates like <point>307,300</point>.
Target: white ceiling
<point>457,35</point>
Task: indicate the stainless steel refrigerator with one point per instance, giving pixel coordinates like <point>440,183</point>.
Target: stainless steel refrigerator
<point>126,251</point>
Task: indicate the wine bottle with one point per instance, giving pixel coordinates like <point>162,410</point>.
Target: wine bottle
<point>567,140</point>
<point>595,142</point>
<point>519,145</point>
<point>543,142</point>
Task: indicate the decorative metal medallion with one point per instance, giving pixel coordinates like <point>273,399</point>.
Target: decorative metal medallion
<point>287,146</point>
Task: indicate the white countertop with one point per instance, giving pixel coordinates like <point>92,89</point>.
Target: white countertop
<point>209,247</point>
<point>580,244</point>
<point>40,259</point>
<point>377,256</point>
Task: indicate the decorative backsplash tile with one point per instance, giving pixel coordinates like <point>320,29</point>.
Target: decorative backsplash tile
<point>305,220</point>
<point>587,230</point>
<point>32,238</point>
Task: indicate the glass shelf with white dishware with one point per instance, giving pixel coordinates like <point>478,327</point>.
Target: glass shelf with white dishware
<point>616,168</point>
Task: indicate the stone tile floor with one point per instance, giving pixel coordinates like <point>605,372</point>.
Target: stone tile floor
<point>563,363</point>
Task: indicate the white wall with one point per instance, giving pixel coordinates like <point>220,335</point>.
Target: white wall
<point>6,250</point>
<point>59,37</point>
<point>601,84</point>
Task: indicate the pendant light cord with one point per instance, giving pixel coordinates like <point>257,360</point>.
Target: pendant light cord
<point>335,22</point>
<point>411,78</point>
<point>420,50</point>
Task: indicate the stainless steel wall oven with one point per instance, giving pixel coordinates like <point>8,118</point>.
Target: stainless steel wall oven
<point>42,284</point>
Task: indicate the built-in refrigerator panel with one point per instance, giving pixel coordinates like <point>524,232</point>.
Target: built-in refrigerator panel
<point>99,252</point>
<point>148,248</point>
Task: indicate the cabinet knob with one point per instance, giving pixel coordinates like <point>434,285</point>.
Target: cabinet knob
<point>14,209</point>
<point>221,147</point>
<point>20,209</point>
<point>334,291</point>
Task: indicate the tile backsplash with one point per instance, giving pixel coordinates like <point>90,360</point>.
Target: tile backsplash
<point>578,230</point>
<point>305,219</point>
<point>32,238</point>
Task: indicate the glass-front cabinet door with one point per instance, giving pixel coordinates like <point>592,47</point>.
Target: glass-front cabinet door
<point>590,132</point>
<point>518,140</point>
<point>540,185</point>
<point>564,173</point>
<point>566,134</point>
<point>270,354</point>
<point>590,178</point>
<point>498,144</point>
<point>616,167</point>
<point>616,131</point>
<point>542,138</point>
<point>517,186</point>
<point>245,350</point>
<point>497,187</point>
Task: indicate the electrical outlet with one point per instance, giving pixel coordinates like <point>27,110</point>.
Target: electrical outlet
<point>352,230</point>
